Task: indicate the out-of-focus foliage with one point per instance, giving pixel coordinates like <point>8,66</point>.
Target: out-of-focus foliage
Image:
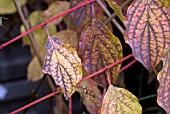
<point>8,7</point>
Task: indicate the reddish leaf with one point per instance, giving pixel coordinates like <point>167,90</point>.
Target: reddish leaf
<point>82,15</point>
<point>100,48</point>
<point>148,30</point>
<point>63,64</point>
<point>120,101</point>
<point>163,98</point>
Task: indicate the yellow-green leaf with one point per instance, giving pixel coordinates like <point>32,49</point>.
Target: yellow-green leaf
<point>117,10</point>
<point>93,99</point>
<point>163,77</point>
<point>120,101</point>
<point>1,21</point>
<point>34,72</point>
<point>8,7</point>
<point>148,30</point>
<point>68,36</point>
<point>40,34</point>
<point>99,48</point>
<point>63,64</point>
<point>55,9</point>
<point>167,2</point>
<point>86,92</point>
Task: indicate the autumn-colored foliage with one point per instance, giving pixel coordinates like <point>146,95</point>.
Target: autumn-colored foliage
<point>62,62</point>
<point>148,31</point>
<point>120,101</point>
<point>99,48</point>
<point>67,57</point>
<point>163,98</point>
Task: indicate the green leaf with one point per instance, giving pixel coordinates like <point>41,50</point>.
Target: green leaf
<point>163,77</point>
<point>99,48</point>
<point>63,64</point>
<point>34,71</point>
<point>1,21</point>
<point>39,34</point>
<point>148,30</point>
<point>167,2</point>
<point>117,10</point>
<point>8,7</point>
<point>120,101</point>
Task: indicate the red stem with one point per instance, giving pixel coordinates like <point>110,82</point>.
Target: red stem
<point>127,66</point>
<point>35,102</point>
<point>70,105</point>
<point>45,22</point>
<point>108,78</point>
<point>107,67</point>
<point>87,77</point>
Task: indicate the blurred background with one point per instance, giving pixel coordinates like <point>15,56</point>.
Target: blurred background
<point>21,61</point>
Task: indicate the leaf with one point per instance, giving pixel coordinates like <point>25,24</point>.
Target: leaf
<point>55,9</point>
<point>40,35</point>
<point>92,101</point>
<point>85,92</point>
<point>68,36</point>
<point>117,10</point>
<point>34,72</point>
<point>63,64</point>
<point>82,15</point>
<point>148,30</point>
<point>34,68</point>
<point>120,101</point>
<point>163,77</point>
<point>1,21</point>
<point>167,2</point>
<point>99,48</point>
<point>8,7</point>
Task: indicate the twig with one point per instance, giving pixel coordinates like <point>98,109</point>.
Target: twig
<point>92,9</point>
<point>147,97</point>
<point>109,14</point>
<point>127,66</point>
<point>114,14</point>
<point>35,102</point>
<point>45,22</point>
<point>35,91</point>
<point>107,67</point>
<point>87,77</point>
<point>32,40</point>
<point>70,105</point>
<point>26,25</point>
<point>108,77</point>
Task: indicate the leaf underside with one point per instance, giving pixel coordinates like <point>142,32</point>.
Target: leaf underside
<point>63,64</point>
<point>99,48</point>
<point>120,101</point>
<point>93,99</point>
<point>148,30</point>
<point>163,77</point>
<point>117,9</point>
<point>82,15</point>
